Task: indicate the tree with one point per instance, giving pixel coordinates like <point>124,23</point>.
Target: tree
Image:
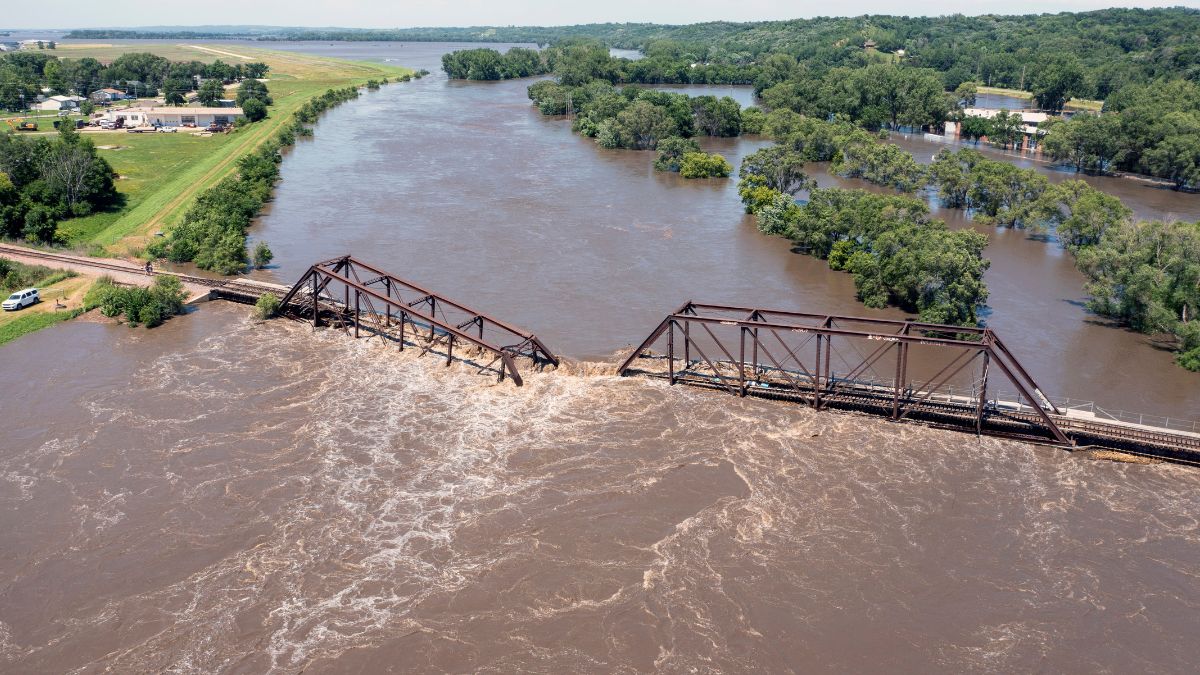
<point>965,94</point>
<point>256,69</point>
<point>254,109</point>
<point>1007,128</point>
<point>702,165</point>
<point>780,167</point>
<point>644,124</point>
<point>975,128</point>
<point>671,151</point>
<point>262,255</point>
<point>1086,142</point>
<point>717,117</point>
<point>249,89</point>
<point>1057,82</point>
<point>40,225</point>
<point>1080,214</point>
<point>210,92</point>
<point>87,108</point>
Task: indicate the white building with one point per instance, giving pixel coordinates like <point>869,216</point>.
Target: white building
<point>59,103</point>
<point>173,116</point>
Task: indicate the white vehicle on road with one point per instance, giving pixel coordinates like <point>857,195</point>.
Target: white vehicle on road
<point>21,299</point>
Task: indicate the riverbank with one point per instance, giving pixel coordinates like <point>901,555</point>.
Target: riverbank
<point>161,174</point>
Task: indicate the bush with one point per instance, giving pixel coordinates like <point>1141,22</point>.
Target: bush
<point>262,255</point>
<point>671,151</point>
<point>254,110</point>
<point>702,165</point>
<point>150,306</point>
<point>267,305</point>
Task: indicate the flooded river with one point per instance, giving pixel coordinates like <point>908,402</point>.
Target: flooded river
<point>464,186</point>
<point>219,495</point>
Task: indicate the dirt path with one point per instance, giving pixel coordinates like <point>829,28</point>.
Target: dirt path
<point>217,51</point>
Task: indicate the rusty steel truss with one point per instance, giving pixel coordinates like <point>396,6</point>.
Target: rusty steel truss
<point>352,295</point>
<point>791,355</point>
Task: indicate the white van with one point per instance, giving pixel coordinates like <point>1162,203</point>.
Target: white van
<point>21,299</point>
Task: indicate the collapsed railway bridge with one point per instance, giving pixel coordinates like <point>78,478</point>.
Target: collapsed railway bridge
<point>356,297</point>
<point>954,377</point>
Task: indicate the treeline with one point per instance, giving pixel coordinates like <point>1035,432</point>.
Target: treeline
<point>1152,129</point>
<point>897,254</point>
<point>1101,51</point>
<point>47,179</point>
<point>1108,48</point>
<point>24,74</point>
<point>577,62</point>
<point>212,233</point>
<point>489,64</point>
<point>1142,274</point>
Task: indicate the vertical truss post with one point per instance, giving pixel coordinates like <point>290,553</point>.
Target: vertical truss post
<point>450,351</point>
<point>671,351</point>
<point>982,394</point>
<point>387,284</point>
<point>816,376</point>
<point>742,361</point>
<point>316,301</point>
<point>357,313</point>
<point>687,344</point>
<point>403,318</point>
<point>896,383</point>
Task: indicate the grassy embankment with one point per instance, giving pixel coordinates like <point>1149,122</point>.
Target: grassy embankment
<point>163,173</point>
<point>56,288</point>
<point>1073,104</point>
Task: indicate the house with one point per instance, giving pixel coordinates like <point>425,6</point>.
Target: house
<point>173,117</point>
<point>869,44</point>
<point>107,95</point>
<point>59,103</point>
<point>1030,123</point>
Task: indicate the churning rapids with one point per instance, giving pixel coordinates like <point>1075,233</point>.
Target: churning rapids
<point>217,495</point>
<point>221,495</point>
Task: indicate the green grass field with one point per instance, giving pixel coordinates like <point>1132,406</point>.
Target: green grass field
<point>163,173</point>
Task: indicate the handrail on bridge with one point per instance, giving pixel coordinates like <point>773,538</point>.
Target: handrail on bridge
<point>411,304</point>
<point>773,344</point>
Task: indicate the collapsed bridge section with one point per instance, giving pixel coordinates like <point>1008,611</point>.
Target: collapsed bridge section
<point>947,376</point>
<point>352,295</point>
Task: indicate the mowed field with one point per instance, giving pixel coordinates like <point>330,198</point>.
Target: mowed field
<point>161,174</point>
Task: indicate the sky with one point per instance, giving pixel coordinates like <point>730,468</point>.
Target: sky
<point>383,14</point>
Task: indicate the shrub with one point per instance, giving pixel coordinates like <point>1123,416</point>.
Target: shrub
<point>262,255</point>
<point>267,305</point>
<point>150,306</point>
<point>702,165</point>
<point>671,151</point>
<point>254,109</point>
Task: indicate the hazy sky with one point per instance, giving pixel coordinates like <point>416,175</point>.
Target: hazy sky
<point>377,13</point>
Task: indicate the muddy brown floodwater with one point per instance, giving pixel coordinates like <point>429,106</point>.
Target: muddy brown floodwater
<point>220,495</point>
<point>465,187</point>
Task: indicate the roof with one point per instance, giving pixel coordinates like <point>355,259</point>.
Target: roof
<point>108,90</point>
<point>188,111</point>
<point>1027,116</point>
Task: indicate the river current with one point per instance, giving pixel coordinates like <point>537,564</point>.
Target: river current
<point>222,495</point>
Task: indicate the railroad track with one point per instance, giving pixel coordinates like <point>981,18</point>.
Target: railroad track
<point>1087,433</point>
<point>234,285</point>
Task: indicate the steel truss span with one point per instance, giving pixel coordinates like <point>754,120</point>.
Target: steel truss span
<point>354,296</point>
<point>947,376</point>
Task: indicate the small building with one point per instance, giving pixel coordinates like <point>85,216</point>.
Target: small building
<point>869,44</point>
<point>59,103</point>
<point>107,95</point>
<point>173,116</point>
